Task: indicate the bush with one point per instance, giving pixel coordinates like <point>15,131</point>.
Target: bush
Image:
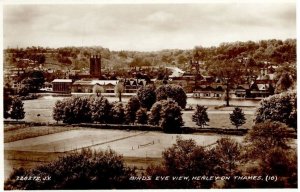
<point>83,170</point>
<point>172,91</point>
<point>280,107</point>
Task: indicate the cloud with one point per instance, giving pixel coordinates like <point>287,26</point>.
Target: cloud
<point>145,26</point>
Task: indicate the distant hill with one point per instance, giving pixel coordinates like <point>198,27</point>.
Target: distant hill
<point>277,51</point>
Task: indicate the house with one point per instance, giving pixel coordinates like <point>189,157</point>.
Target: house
<point>242,91</point>
<point>261,88</point>
<point>92,86</point>
<point>132,85</point>
<point>209,91</point>
<point>61,85</point>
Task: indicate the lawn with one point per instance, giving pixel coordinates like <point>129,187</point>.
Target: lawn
<point>218,120</point>
<point>139,148</point>
<point>20,132</point>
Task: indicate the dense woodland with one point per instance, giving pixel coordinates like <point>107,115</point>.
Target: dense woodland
<point>275,51</point>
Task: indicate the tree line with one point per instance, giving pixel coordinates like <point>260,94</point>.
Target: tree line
<point>160,107</point>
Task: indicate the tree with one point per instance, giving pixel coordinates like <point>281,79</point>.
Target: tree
<point>237,117</point>
<point>200,116</point>
<point>117,113</point>
<point>280,107</point>
<point>24,91</point>
<point>98,89</point>
<point>227,151</point>
<point>17,110</point>
<point>184,158</point>
<point>280,162</point>
<point>119,89</point>
<point>266,135</point>
<point>131,108</point>
<point>170,117</point>
<point>58,111</point>
<point>141,116</point>
<point>7,100</point>
<point>147,96</point>
<point>36,80</point>
<point>267,149</point>
<point>99,109</point>
<point>82,110</point>
<point>81,170</point>
<point>228,71</point>
<point>284,83</point>
<point>172,91</point>
<point>154,116</point>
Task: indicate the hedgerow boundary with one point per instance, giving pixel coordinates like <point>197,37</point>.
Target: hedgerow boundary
<point>184,130</point>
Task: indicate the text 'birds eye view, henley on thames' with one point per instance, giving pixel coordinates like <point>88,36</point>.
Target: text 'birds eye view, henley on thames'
<point>150,96</point>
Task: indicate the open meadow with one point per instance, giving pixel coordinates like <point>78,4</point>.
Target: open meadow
<point>139,148</point>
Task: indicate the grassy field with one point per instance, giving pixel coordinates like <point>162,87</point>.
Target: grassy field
<point>218,120</point>
<point>19,132</point>
<point>139,148</point>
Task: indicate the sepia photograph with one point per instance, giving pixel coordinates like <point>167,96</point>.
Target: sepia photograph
<point>149,95</point>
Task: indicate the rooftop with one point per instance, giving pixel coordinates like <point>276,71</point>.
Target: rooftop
<point>62,81</point>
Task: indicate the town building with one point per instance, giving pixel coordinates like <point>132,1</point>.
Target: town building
<point>94,86</point>
<point>62,85</point>
<point>95,66</point>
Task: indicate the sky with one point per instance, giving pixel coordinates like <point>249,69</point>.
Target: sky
<point>146,27</point>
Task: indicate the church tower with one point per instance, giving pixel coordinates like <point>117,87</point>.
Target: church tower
<point>95,66</point>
